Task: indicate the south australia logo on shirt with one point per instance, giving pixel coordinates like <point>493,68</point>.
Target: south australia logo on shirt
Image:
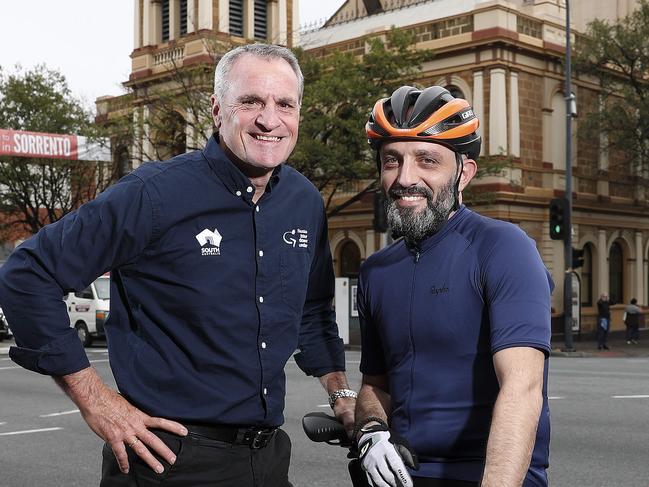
<point>210,242</point>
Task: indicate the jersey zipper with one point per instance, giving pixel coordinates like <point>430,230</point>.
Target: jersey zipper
<point>410,331</point>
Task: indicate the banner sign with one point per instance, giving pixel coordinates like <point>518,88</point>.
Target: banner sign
<point>52,146</point>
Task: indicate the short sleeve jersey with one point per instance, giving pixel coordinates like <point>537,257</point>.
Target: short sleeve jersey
<point>432,321</point>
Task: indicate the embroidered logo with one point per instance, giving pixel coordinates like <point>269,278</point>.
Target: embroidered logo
<point>210,242</point>
<point>439,290</point>
<point>297,238</point>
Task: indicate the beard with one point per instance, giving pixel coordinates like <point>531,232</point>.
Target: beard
<point>415,225</point>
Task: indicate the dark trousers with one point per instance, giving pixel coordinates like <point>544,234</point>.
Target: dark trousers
<point>632,332</point>
<point>203,462</point>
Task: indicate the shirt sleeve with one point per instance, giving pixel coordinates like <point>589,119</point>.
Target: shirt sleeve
<point>372,355</point>
<point>321,348</point>
<point>518,288</point>
<point>67,256</point>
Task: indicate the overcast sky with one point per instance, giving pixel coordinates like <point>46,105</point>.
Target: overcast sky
<point>89,41</point>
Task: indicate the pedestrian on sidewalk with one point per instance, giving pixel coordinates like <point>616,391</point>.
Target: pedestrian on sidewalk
<point>603,321</point>
<point>632,322</point>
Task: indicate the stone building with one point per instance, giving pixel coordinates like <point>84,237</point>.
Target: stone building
<point>504,56</point>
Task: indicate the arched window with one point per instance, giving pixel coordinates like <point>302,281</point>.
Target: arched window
<point>616,274</point>
<point>587,277</point>
<point>456,92</point>
<point>350,259</point>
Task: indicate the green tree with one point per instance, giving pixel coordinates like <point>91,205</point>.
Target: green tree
<point>617,54</point>
<point>339,93</point>
<point>37,191</point>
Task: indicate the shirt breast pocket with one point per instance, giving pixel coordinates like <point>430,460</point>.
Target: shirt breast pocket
<point>294,273</point>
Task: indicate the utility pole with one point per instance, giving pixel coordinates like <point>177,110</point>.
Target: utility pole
<point>567,238</point>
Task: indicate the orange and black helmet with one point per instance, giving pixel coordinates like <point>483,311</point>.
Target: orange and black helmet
<point>429,115</point>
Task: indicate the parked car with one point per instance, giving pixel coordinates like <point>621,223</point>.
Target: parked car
<point>88,309</point>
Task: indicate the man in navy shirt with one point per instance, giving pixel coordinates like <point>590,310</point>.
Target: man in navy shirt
<point>455,316</point>
<point>220,269</point>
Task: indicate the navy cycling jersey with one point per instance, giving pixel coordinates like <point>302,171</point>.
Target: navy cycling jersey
<point>432,322</point>
<point>210,292</point>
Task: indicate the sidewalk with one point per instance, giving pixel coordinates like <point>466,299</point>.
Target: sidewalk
<point>616,343</point>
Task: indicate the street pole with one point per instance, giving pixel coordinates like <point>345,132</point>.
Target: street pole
<point>567,239</point>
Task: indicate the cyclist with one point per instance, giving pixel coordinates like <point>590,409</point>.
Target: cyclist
<point>455,315</point>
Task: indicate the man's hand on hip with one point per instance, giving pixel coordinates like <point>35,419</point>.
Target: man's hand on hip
<point>384,457</point>
<point>120,424</point>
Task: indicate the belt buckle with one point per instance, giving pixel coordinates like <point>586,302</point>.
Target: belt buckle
<point>261,439</point>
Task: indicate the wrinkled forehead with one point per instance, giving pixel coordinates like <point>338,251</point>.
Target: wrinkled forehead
<point>414,148</point>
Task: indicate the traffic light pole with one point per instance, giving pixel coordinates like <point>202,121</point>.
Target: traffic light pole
<point>567,238</point>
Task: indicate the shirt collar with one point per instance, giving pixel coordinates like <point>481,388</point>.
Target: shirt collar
<point>448,227</point>
<point>231,176</point>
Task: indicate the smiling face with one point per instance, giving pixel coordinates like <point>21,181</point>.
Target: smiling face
<point>418,179</point>
<point>257,117</point>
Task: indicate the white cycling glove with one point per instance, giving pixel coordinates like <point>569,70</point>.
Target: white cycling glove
<point>384,457</point>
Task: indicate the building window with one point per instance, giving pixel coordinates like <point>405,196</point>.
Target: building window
<point>183,17</point>
<point>350,259</point>
<point>587,277</point>
<point>456,92</point>
<point>261,8</point>
<point>616,274</point>
<point>165,20</point>
<point>236,18</point>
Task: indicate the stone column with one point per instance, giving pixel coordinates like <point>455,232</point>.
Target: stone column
<point>498,113</point>
<point>174,19</point>
<point>514,116</point>
<point>369,243</point>
<point>602,263</point>
<point>137,20</point>
<point>639,269</point>
<point>249,19</point>
<point>205,14</point>
<point>478,101</point>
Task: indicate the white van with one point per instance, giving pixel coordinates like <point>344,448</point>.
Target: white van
<point>88,309</point>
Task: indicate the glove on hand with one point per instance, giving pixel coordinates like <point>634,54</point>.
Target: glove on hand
<point>384,457</point>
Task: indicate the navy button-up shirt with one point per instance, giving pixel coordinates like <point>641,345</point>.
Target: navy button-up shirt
<point>210,292</point>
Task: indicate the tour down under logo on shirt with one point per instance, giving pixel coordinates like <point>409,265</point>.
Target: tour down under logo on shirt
<point>210,242</point>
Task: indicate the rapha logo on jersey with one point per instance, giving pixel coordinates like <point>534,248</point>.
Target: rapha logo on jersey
<point>210,242</point>
<point>439,290</point>
<point>297,238</point>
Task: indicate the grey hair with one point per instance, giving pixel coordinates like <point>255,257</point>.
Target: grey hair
<point>266,51</point>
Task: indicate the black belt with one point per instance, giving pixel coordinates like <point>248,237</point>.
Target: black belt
<point>253,436</point>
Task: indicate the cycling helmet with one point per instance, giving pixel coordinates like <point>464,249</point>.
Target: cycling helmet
<point>429,115</point>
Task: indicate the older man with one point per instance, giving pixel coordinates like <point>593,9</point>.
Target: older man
<point>455,316</point>
<point>220,270</point>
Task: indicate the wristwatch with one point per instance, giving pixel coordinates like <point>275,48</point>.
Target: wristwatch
<point>340,393</point>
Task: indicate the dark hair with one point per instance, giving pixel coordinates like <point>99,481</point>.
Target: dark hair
<point>634,301</point>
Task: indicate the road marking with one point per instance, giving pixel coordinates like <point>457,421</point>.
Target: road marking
<point>324,406</point>
<point>4,350</point>
<point>4,359</point>
<point>9,368</point>
<point>99,360</point>
<point>26,432</point>
<point>556,397</point>
<point>639,396</point>
<point>51,415</point>
<point>4,422</point>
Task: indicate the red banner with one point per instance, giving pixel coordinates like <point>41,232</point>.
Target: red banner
<point>35,144</point>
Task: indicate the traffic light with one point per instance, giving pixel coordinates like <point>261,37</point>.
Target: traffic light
<point>380,217</point>
<point>559,218</point>
<point>577,258</point>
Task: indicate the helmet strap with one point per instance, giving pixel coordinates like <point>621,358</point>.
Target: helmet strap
<point>456,188</point>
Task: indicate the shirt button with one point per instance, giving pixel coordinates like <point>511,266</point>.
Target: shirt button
<point>257,209</point>
<point>238,193</point>
<point>263,344</point>
<point>261,299</point>
<point>261,253</point>
<point>265,391</point>
<point>249,189</point>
